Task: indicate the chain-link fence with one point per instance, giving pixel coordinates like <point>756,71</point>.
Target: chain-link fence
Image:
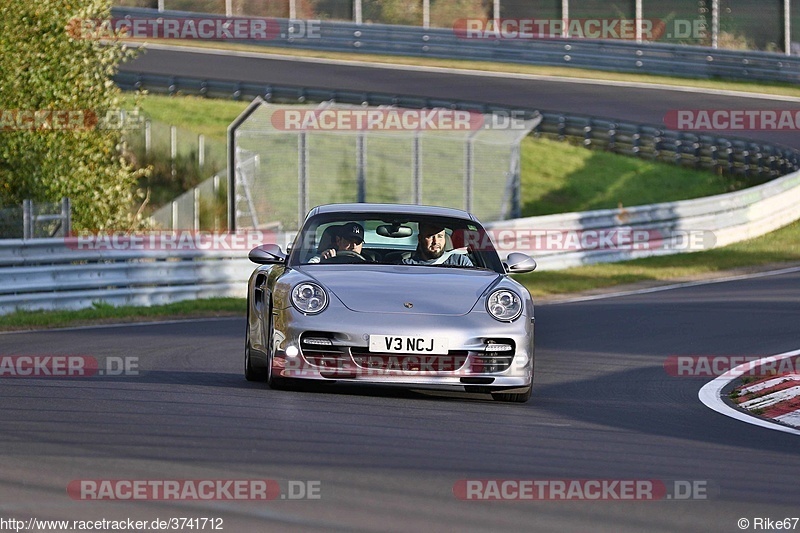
<point>180,159</point>
<point>202,208</point>
<point>166,141</point>
<point>728,24</point>
<point>35,220</point>
<point>291,158</point>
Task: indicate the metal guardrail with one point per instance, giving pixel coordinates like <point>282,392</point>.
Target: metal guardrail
<point>715,221</point>
<point>46,274</point>
<point>609,55</point>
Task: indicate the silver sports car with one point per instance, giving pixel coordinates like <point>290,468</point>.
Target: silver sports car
<point>387,294</point>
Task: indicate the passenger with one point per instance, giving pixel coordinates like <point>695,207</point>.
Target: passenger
<point>430,250</point>
<point>349,238</point>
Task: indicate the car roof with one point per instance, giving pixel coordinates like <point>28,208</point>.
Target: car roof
<point>393,209</point>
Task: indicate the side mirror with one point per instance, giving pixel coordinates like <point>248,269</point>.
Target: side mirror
<point>267,254</point>
<point>519,263</point>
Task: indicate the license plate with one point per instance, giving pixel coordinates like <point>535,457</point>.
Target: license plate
<point>405,344</point>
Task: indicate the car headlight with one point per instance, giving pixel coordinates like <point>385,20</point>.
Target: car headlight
<point>504,305</point>
<point>309,298</point>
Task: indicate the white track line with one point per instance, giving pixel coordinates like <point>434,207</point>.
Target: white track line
<point>710,394</point>
<point>470,72</point>
<point>673,286</point>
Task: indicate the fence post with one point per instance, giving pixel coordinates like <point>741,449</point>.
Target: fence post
<point>173,148</point>
<point>417,169</point>
<point>216,199</point>
<point>787,27</point>
<point>639,21</point>
<point>302,178</point>
<point>361,168</point>
<point>469,168</point>
<point>27,219</point>
<point>564,18</point>
<point>714,23</point>
<point>426,13</point>
<point>516,210</point>
<point>196,209</point>
<point>292,9</point>
<point>66,216</point>
<point>357,11</point>
<point>201,150</point>
<point>148,137</point>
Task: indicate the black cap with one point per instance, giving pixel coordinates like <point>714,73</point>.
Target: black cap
<point>353,232</point>
<point>426,229</point>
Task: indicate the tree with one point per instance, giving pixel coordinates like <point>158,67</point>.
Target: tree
<point>50,71</point>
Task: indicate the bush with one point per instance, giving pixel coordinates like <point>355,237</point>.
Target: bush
<point>44,66</point>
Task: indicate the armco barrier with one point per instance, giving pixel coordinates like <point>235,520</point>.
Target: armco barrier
<point>723,219</point>
<point>50,274</point>
<point>611,55</point>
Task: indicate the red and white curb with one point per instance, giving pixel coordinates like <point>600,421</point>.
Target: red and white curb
<point>776,397</point>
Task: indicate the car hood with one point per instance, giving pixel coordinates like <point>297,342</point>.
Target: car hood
<point>390,289</point>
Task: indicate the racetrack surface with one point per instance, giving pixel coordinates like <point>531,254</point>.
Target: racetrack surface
<point>603,408</point>
<point>635,104</point>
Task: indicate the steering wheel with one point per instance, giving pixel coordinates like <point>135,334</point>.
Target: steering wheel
<point>345,256</point>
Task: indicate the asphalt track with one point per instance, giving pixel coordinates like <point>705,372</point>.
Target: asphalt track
<point>635,104</point>
<point>603,408</point>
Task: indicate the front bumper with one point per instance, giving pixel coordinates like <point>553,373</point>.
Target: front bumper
<point>339,349</point>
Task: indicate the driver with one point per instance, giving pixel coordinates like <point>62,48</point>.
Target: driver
<point>349,238</point>
<point>430,249</point>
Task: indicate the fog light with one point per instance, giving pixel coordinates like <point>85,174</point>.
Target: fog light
<point>292,351</point>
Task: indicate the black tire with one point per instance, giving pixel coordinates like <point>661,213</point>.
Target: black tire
<point>513,397</point>
<point>251,373</point>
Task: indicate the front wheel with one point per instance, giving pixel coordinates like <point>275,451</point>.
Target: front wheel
<point>251,373</point>
<point>273,381</point>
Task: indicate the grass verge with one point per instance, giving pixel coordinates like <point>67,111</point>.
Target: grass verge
<point>779,247</point>
<point>105,313</point>
<point>558,177</point>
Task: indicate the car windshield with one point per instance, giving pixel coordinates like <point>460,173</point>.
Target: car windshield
<point>347,238</point>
